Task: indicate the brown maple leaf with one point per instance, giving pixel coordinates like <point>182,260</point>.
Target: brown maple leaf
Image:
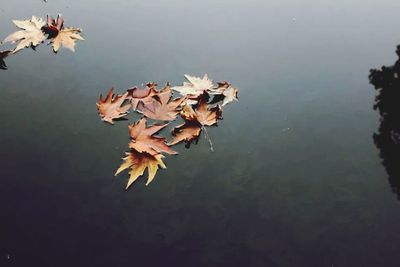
<point>30,34</point>
<point>112,107</point>
<point>138,95</point>
<point>195,120</point>
<point>144,141</point>
<point>3,55</point>
<point>139,162</point>
<point>161,107</point>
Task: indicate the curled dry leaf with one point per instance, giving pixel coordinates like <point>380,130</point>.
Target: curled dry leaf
<point>161,107</point>
<point>3,55</point>
<point>139,162</point>
<point>195,120</point>
<point>112,107</point>
<point>144,141</point>
<point>144,96</point>
<point>30,35</point>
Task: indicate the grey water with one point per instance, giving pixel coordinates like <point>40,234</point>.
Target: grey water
<point>294,180</point>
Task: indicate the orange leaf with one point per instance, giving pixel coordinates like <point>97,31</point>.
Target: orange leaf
<point>143,139</point>
<point>139,162</point>
<point>161,107</point>
<point>145,95</point>
<point>112,107</point>
<point>195,120</point>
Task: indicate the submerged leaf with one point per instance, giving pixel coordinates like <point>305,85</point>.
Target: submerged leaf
<point>30,35</point>
<point>139,162</point>
<point>161,107</point>
<point>112,107</point>
<point>143,139</point>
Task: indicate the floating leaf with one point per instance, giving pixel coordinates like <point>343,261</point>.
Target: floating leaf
<point>161,107</point>
<point>195,120</point>
<point>195,87</point>
<point>112,107</point>
<point>30,35</point>
<point>144,96</point>
<point>146,149</point>
<point>143,139</point>
<point>60,36</point>
<point>66,38</point>
<point>188,132</point>
<point>229,92</point>
<point>139,162</point>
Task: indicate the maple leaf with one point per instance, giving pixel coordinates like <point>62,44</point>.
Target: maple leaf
<point>30,35</point>
<point>145,95</point>
<point>228,92</point>
<point>139,162</point>
<point>66,38</point>
<point>189,131</point>
<point>195,120</point>
<point>112,106</point>
<point>195,87</point>
<point>61,36</point>
<point>4,54</point>
<point>144,141</point>
<point>161,107</point>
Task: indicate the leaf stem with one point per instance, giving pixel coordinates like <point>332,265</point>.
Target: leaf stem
<point>208,138</point>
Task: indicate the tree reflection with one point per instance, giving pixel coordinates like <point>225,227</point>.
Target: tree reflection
<point>387,83</point>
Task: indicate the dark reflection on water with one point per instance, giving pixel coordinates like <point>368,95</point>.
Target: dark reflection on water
<point>387,82</point>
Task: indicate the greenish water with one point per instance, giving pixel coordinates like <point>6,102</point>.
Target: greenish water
<point>295,179</point>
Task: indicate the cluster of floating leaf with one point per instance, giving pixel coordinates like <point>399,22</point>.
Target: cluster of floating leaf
<point>199,105</point>
<point>35,31</point>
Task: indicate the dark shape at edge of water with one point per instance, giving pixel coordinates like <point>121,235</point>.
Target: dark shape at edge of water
<point>387,102</point>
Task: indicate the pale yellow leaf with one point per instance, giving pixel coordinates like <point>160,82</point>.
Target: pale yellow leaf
<point>30,35</point>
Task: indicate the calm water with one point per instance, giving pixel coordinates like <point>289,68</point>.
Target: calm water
<point>295,178</point>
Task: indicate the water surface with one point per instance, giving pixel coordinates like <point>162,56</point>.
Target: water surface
<point>295,178</point>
